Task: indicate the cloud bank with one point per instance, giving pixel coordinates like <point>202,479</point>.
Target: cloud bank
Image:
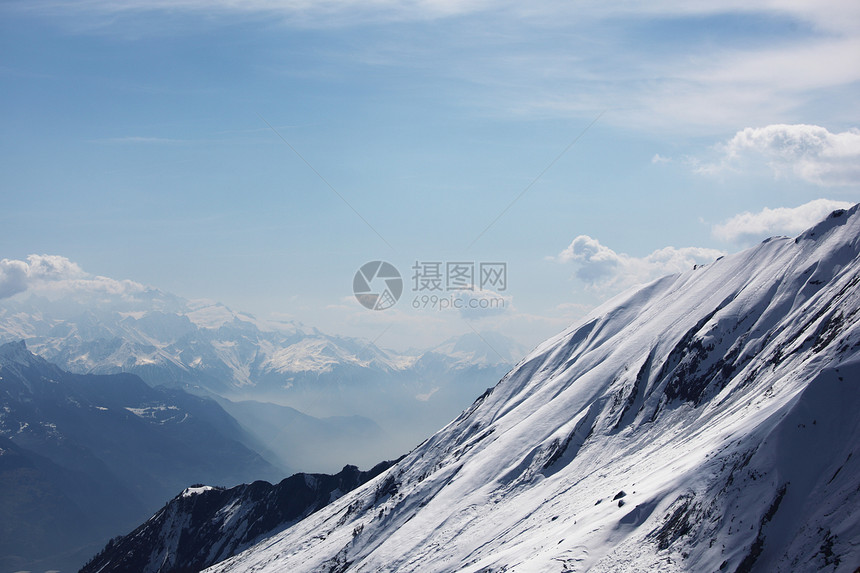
<point>55,273</point>
<point>808,152</point>
<point>481,303</point>
<point>746,227</point>
<point>600,267</point>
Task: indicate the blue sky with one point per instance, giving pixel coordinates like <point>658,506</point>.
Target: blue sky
<point>136,143</point>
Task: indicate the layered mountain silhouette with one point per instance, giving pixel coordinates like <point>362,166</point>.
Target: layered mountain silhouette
<point>83,457</point>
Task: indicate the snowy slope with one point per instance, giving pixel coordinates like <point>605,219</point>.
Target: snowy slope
<point>707,422</point>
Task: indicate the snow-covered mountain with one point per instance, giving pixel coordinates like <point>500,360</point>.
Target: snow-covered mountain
<point>204,524</point>
<point>172,341</point>
<point>207,348</point>
<point>707,422</point>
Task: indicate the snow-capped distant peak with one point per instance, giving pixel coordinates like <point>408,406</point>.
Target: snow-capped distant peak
<point>196,490</point>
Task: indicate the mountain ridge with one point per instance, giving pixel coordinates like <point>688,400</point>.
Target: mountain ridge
<point>82,455</point>
<point>207,349</point>
<point>704,422</point>
<point>195,342</point>
<point>204,524</point>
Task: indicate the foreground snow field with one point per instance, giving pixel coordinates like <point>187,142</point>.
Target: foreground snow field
<point>707,422</point>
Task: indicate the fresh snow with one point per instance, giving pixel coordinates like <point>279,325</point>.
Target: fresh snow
<point>722,402</point>
<point>189,491</point>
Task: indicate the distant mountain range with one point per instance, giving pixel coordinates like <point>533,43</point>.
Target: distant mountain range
<point>83,457</point>
<point>168,340</point>
<point>707,422</point>
<point>211,350</point>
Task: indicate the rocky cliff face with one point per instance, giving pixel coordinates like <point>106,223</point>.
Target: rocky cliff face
<point>204,524</point>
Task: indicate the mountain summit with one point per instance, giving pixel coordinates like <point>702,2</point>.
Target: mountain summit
<point>707,422</point>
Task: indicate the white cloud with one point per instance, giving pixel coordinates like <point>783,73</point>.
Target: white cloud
<point>600,267</point>
<point>705,86</point>
<point>53,268</point>
<point>830,15</point>
<point>13,277</point>
<point>808,152</point>
<point>18,276</point>
<point>597,262</point>
<point>508,51</point>
<point>481,303</point>
<point>307,12</point>
<point>54,273</point>
<point>747,226</point>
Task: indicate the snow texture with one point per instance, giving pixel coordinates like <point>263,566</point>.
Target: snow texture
<point>707,422</point>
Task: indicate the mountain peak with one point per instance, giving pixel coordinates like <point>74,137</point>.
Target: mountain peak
<point>722,402</point>
<point>16,353</point>
<point>838,218</point>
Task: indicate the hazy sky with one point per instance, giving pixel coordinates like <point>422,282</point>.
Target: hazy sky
<point>259,153</point>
